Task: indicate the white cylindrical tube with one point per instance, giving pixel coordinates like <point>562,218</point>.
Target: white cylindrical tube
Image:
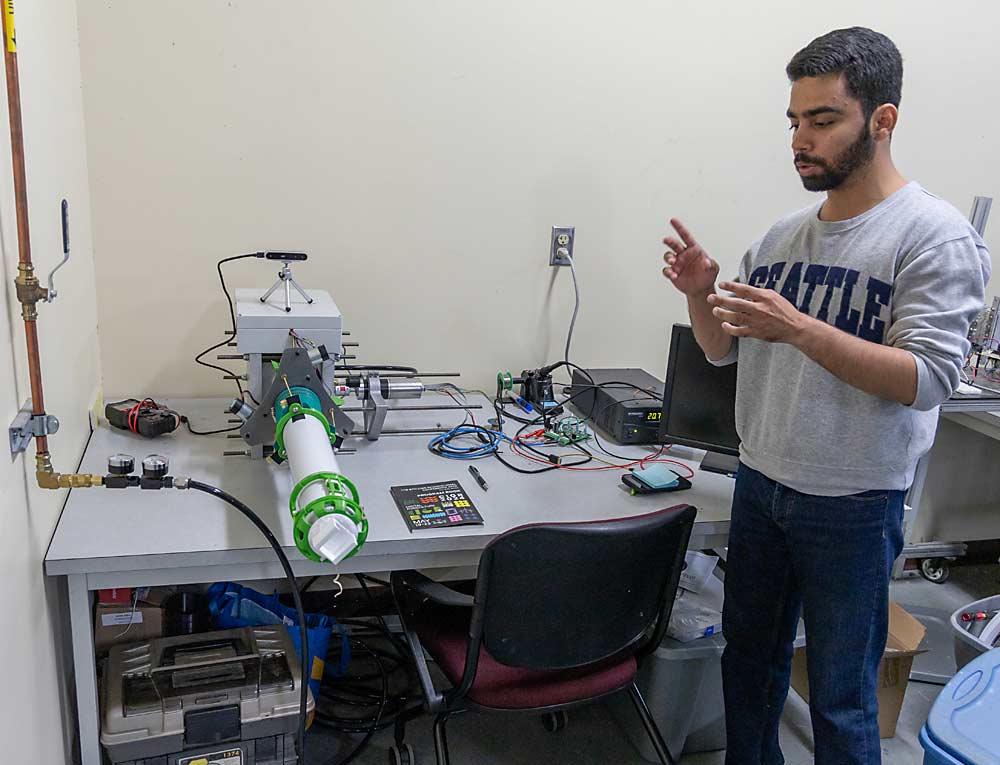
<point>308,448</point>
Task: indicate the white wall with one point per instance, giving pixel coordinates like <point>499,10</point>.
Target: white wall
<point>420,151</point>
<point>36,686</point>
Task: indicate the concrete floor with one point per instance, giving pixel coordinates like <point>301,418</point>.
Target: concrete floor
<point>592,736</point>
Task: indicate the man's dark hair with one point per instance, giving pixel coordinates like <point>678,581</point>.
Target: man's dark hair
<point>869,61</point>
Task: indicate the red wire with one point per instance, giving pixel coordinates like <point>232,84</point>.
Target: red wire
<point>640,462</point>
<point>133,413</point>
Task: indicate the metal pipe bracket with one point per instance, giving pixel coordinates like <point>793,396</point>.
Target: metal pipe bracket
<point>27,426</point>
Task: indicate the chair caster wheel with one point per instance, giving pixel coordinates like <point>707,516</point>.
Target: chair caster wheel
<point>402,755</point>
<point>555,721</point>
<point>935,570</point>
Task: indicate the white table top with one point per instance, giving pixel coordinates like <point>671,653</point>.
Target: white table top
<point>131,530</point>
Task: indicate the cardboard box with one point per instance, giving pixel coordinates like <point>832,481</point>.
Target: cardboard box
<point>905,634</point>
<point>122,624</point>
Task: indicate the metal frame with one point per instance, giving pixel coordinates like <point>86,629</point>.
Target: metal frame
<point>936,549</point>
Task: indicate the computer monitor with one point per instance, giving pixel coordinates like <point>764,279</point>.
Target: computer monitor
<point>699,403</point>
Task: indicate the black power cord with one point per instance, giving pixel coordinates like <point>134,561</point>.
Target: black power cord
<point>232,316</point>
<point>355,692</point>
<point>370,730</point>
<point>194,432</point>
<point>300,738</point>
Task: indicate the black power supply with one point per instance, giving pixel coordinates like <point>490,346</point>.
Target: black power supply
<point>621,403</point>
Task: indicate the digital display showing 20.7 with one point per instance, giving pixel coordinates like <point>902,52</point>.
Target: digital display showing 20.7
<point>654,416</point>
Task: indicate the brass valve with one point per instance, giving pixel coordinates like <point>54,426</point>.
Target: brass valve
<point>28,291</point>
<point>49,479</point>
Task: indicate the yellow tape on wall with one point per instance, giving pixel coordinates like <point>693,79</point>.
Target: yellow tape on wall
<point>8,9</point>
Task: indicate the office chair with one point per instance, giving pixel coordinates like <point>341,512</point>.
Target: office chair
<point>562,614</point>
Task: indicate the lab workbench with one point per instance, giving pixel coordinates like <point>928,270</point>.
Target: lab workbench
<point>129,537</point>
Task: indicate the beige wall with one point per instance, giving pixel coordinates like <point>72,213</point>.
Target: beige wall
<point>36,686</point>
<point>420,151</point>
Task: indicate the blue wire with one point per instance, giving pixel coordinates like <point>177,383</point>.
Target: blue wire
<point>440,446</point>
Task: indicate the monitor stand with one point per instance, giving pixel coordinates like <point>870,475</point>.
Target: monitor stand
<point>714,462</point>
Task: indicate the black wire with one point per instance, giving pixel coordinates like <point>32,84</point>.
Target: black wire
<point>191,430</point>
<point>232,316</point>
<point>197,360</point>
<point>545,469</point>
<point>381,708</point>
<point>498,407</point>
<point>296,596</point>
<point>377,581</point>
<point>351,691</point>
<point>396,641</point>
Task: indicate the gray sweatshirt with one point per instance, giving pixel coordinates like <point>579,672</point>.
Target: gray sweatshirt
<point>911,273</point>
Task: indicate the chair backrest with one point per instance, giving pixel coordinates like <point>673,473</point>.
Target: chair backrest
<point>562,595</point>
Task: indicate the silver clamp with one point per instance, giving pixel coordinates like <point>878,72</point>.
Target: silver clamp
<point>375,407</point>
<point>27,426</point>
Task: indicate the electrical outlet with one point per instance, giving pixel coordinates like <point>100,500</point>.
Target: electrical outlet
<point>561,245</point>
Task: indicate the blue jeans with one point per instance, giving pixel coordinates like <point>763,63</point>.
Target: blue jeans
<point>829,558</point>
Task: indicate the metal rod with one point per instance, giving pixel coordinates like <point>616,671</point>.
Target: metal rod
<point>350,345</point>
<point>233,435</point>
<point>231,357</point>
<point>387,375</point>
<point>418,408</point>
<point>244,453</point>
<point>414,432</point>
<point>234,377</point>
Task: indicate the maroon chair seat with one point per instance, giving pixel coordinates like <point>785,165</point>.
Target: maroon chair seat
<point>446,637</point>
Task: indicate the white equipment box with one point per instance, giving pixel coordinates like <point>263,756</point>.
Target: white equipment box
<point>263,327</point>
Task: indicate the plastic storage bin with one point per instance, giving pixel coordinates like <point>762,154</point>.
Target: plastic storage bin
<point>682,686</point>
<point>962,728</point>
<point>967,646</point>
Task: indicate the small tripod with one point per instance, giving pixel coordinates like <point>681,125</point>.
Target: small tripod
<point>285,277</point>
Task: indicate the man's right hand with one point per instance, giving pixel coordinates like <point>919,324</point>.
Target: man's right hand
<point>688,265</point>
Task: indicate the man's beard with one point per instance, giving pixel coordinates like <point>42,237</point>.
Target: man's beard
<point>854,157</point>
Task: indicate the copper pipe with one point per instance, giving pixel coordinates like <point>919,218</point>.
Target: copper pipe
<point>27,288</point>
<point>17,145</point>
<point>35,373</point>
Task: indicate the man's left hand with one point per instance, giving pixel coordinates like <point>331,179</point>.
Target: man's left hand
<point>758,313</point>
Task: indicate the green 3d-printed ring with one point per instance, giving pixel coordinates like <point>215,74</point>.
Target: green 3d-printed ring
<point>294,410</point>
<point>335,502</point>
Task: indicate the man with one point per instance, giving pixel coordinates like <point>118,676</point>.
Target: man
<point>849,321</point>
